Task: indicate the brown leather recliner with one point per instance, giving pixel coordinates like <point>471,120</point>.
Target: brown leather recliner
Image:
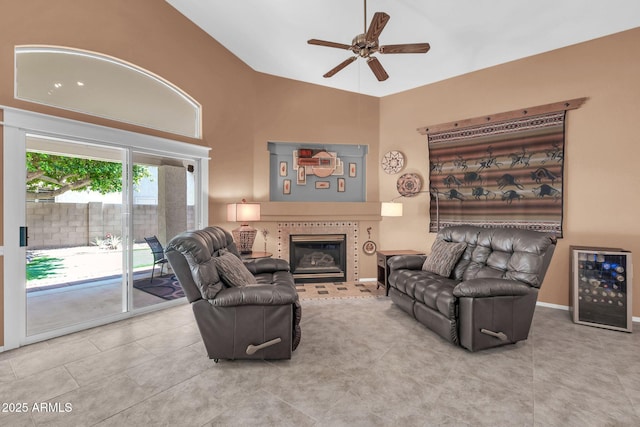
<point>489,298</point>
<point>257,321</point>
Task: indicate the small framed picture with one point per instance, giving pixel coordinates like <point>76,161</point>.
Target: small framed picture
<point>286,186</point>
<point>341,185</point>
<point>305,152</point>
<point>302,176</point>
<point>283,168</point>
<point>352,170</point>
<point>339,168</point>
<point>322,185</point>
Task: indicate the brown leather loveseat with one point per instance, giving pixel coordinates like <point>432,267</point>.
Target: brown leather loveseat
<point>480,287</point>
<point>256,319</point>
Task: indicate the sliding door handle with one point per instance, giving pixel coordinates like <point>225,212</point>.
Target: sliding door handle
<point>24,236</point>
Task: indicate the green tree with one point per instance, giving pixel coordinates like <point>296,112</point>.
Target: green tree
<point>55,175</point>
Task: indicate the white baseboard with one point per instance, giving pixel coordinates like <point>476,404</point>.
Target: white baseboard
<point>367,279</point>
<point>556,306</point>
<point>566,308</point>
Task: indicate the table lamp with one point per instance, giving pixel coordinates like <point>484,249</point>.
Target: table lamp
<point>244,212</point>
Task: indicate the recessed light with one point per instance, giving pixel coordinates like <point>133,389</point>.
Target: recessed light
<point>57,85</point>
<point>80,83</point>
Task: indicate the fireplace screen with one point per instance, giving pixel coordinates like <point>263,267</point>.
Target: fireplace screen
<point>318,257</point>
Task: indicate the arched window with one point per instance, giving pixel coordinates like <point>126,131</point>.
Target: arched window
<point>104,86</point>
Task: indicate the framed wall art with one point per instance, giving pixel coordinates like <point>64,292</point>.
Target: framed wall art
<point>353,170</point>
<point>286,186</point>
<point>302,176</point>
<point>304,164</point>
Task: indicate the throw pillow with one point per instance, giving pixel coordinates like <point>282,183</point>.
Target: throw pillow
<point>444,256</point>
<point>232,270</point>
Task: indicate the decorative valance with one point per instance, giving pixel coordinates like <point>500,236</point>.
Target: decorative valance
<point>500,170</point>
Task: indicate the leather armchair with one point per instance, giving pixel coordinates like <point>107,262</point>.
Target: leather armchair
<point>258,321</point>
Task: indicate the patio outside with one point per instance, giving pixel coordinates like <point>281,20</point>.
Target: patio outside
<point>48,268</point>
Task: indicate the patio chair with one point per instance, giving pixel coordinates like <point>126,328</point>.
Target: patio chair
<point>158,254</point>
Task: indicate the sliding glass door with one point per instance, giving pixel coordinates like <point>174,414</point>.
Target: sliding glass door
<point>75,216</point>
<point>87,213</point>
<point>163,206</point>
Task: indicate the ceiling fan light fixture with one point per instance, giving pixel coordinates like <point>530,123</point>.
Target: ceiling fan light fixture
<point>366,44</point>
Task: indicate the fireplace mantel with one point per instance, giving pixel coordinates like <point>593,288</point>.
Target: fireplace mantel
<point>320,211</point>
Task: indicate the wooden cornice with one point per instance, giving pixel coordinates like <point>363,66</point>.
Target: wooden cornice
<point>571,104</point>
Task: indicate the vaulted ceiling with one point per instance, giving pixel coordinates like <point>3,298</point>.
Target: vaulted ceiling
<point>465,35</point>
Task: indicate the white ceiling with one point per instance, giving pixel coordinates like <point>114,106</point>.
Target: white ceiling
<point>465,35</point>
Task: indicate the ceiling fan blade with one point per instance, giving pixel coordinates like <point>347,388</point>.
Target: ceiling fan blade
<point>378,22</point>
<point>405,48</point>
<point>329,44</point>
<point>377,68</point>
<point>340,66</point>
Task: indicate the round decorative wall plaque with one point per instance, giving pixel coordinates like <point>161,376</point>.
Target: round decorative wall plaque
<point>409,184</point>
<point>392,162</point>
<point>369,247</point>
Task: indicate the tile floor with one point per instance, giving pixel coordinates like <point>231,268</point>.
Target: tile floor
<point>339,290</point>
<point>60,307</point>
<point>361,362</point>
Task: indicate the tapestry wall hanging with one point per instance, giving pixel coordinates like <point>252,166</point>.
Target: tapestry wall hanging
<point>507,173</point>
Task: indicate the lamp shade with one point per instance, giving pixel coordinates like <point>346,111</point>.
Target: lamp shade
<point>243,212</point>
<point>391,209</point>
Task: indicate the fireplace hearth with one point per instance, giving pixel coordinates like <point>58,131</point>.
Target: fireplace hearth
<point>318,258</point>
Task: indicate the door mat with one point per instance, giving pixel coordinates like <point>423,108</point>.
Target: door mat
<point>166,287</point>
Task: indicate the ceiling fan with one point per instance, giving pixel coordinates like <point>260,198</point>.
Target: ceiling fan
<point>366,44</point>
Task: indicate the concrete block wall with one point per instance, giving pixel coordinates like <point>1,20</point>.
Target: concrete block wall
<point>145,222</point>
<point>57,225</point>
<point>65,225</point>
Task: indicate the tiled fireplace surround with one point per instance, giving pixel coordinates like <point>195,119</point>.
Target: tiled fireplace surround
<point>348,228</point>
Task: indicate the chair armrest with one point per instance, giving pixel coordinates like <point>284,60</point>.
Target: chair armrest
<point>490,287</point>
<point>411,262</point>
<point>255,295</point>
<point>266,265</point>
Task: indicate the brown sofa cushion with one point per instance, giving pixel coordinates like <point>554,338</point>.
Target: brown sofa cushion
<point>444,256</point>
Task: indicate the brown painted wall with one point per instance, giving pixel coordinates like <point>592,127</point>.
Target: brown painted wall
<point>601,173</point>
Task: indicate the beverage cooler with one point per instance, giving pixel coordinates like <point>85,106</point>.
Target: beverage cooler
<point>601,286</point>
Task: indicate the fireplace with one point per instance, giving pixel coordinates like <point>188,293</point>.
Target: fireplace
<point>318,257</point>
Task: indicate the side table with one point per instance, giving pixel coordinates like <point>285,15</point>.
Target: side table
<point>383,268</point>
<point>256,255</point>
